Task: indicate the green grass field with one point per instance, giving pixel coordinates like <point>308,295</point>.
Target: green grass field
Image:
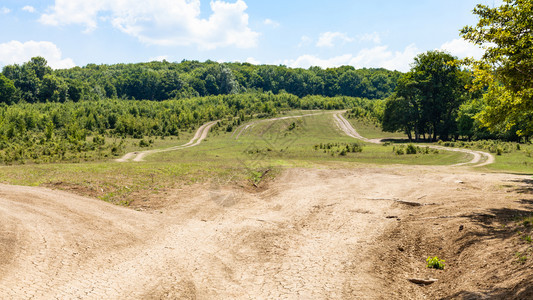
<point>266,145</point>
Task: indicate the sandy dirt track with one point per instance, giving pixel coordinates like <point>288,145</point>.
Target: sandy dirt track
<point>243,128</point>
<point>199,136</point>
<point>297,239</point>
<point>312,234</point>
<point>479,158</point>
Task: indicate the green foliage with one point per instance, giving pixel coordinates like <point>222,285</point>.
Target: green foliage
<point>505,71</point>
<point>45,132</point>
<point>341,149</point>
<point>7,90</point>
<point>36,82</point>
<point>521,257</point>
<point>411,149</point>
<point>435,263</point>
<point>427,98</point>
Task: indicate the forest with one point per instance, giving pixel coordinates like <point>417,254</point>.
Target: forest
<point>34,81</point>
<point>86,112</point>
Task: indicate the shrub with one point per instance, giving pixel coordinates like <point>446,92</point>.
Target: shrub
<point>144,143</point>
<point>435,263</point>
<point>411,149</point>
<point>400,151</point>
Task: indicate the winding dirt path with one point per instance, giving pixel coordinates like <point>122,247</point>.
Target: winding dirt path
<point>243,128</point>
<point>199,136</point>
<point>479,158</point>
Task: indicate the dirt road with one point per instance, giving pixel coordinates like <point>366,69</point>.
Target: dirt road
<point>243,128</point>
<point>199,136</point>
<point>298,239</point>
<point>479,158</point>
<point>313,234</point>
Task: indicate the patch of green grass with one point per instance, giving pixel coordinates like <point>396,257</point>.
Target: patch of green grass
<point>516,161</point>
<point>435,263</point>
<point>510,156</point>
<point>521,257</point>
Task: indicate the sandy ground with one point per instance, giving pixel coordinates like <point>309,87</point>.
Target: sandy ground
<point>310,234</point>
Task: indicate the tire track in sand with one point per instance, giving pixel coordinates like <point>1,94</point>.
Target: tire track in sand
<point>243,128</point>
<point>479,158</point>
<point>199,136</point>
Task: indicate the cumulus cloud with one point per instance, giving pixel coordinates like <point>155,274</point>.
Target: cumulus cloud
<point>272,23</point>
<point>327,39</point>
<point>377,57</point>
<point>4,10</point>
<point>161,22</point>
<point>29,8</point>
<point>16,52</point>
<point>462,49</point>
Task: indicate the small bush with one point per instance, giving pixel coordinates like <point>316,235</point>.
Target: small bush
<point>144,143</point>
<point>411,149</point>
<point>435,263</point>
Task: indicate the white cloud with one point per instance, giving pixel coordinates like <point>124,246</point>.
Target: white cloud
<point>15,52</point>
<point>382,57</point>
<point>370,37</point>
<point>159,58</point>
<point>29,8</point>
<point>161,22</point>
<point>327,39</point>
<point>4,10</point>
<point>462,49</point>
<point>377,57</point>
<point>272,23</point>
<point>253,61</point>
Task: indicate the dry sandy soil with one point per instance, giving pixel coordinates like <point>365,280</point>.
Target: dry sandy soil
<point>308,234</point>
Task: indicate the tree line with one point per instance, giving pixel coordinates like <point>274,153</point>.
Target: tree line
<point>34,81</point>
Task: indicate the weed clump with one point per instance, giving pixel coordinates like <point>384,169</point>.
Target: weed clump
<point>342,149</point>
<point>435,263</point>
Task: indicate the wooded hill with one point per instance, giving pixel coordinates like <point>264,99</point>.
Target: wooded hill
<point>35,81</point>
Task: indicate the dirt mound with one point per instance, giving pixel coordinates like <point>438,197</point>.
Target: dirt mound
<point>472,221</point>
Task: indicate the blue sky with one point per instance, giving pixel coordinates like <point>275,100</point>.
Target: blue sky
<point>297,33</point>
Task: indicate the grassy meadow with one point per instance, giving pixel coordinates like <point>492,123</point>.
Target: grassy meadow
<point>312,141</point>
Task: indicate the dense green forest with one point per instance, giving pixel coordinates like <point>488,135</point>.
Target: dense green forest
<point>91,130</point>
<point>34,81</point>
